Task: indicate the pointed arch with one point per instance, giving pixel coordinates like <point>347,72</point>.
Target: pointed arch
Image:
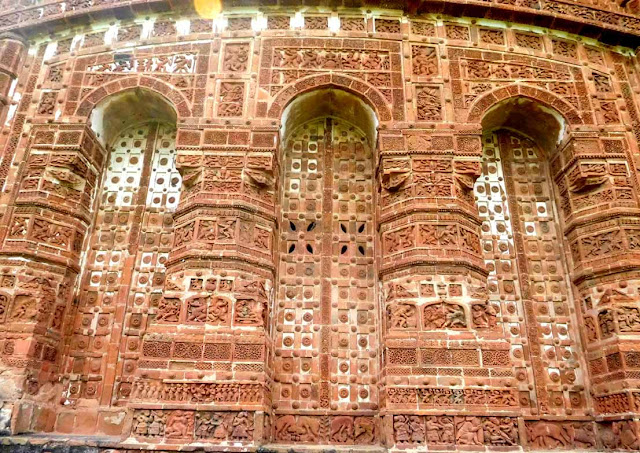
<point>368,93</point>
<point>483,104</point>
<point>179,102</point>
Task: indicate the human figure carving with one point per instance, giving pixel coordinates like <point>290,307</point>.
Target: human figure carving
<point>469,431</point>
<point>402,316</point>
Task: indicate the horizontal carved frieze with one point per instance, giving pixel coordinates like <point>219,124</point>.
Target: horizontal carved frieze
<point>198,392</point>
<point>440,397</point>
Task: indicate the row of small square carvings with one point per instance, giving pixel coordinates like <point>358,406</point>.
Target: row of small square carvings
<point>154,28</point>
<point>158,28</point>
<point>453,31</point>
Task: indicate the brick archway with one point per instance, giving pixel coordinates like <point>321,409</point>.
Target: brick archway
<point>368,93</point>
<point>482,105</point>
<point>169,92</point>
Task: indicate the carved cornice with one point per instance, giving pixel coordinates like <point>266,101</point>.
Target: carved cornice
<point>393,213</point>
<point>229,259</point>
<point>191,206</point>
<point>614,24</point>
<point>474,266</point>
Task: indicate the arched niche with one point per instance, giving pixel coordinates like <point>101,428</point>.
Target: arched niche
<point>542,124</point>
<point>519,204</point>
<point>327,240</point>
<point>330,102</point>
<point>127,109</point>
<point>139,192</point>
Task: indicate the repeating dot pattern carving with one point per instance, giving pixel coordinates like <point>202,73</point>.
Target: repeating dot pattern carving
<point>326,294</point>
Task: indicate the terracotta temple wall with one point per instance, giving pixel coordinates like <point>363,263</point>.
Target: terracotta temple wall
<point>391,226</point>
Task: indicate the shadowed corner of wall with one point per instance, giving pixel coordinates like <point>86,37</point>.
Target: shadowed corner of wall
<point>128,108</point>
<point>543,125</point>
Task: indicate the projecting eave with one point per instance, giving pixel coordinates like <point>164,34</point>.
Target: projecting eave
<point>619,24</point>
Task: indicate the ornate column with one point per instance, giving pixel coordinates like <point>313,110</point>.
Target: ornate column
<point>207,339</point>
<point>41,246</point>
<point>599,203</point>
<point>445,348</point>
<point>12,53</point>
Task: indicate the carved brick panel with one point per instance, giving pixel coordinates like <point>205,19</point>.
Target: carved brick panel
<point>326,324</point>
<point>523,248</point>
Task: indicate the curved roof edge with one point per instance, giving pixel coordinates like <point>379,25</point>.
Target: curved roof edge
<point>619,24</point>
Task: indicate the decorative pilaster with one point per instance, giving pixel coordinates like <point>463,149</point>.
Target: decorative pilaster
<point>48,220</point>
<point>445,346</point>
<point>213,316</point>
<point>598,192</point>
<point>12,54</point>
